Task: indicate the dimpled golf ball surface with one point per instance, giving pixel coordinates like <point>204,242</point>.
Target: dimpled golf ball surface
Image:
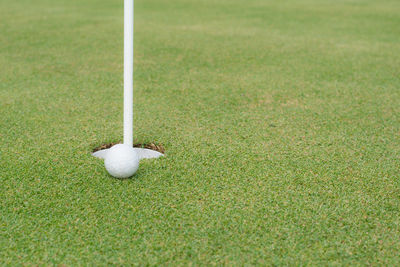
<point>121,161</point>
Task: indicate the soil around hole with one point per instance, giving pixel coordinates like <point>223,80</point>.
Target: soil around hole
<point>151,146</point>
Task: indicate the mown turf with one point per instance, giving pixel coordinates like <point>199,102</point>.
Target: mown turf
<point>280,121</point>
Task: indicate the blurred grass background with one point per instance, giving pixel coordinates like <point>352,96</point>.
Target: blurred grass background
<point>279,119</point>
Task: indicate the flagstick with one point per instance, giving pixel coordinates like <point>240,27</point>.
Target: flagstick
<point>128,72</point>
<point>143,153</point>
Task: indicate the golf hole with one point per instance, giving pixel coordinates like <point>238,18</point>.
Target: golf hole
<point>151,146</point>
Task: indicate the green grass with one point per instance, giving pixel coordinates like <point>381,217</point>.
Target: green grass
<point>280,121</point>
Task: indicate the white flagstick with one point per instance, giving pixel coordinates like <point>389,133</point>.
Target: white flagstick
<point>128,89</point>
<point>128,72</point>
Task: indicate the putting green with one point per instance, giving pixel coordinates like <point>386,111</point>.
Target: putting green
<point>279,119</point>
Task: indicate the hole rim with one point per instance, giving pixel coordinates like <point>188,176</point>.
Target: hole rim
<point>152,146</point>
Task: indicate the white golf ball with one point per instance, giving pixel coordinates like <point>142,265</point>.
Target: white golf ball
<point>121,161</point>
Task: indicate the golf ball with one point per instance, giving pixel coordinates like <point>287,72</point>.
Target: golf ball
<point>121,161</point>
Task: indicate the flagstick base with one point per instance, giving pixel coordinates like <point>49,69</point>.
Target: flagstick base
<point>143,153</point>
